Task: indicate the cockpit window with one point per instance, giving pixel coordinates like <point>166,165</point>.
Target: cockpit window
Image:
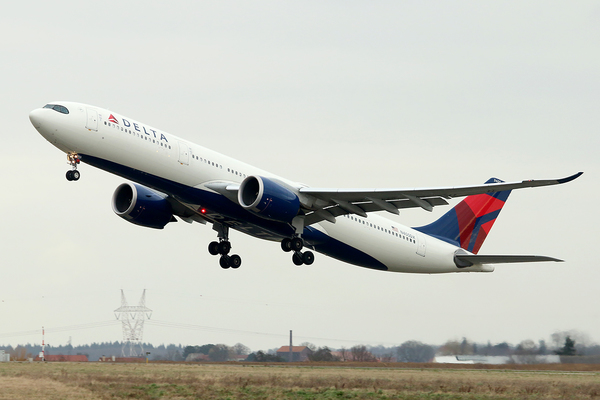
<point>56,107</point>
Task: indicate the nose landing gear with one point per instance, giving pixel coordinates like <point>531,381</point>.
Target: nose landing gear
<point>73,160</point>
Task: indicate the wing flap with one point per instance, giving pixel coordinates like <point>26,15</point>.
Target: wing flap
<point>336,211</point>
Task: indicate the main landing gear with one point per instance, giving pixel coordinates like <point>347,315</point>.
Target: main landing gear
<point>299,257</point>
<point>223,247</point>
<point>73,160</point>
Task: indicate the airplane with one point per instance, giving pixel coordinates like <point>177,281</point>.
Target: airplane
<point>173,177</point>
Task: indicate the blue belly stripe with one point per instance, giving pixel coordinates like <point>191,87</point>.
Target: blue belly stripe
<point>237,217</point>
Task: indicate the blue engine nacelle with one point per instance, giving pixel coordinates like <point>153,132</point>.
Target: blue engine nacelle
<point>268,199</point>
<point>141,206</point>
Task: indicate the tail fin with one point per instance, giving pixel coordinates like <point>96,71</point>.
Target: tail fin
<point>468,224</point>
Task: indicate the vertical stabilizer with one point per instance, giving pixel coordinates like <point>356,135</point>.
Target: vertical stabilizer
<point>468,224</point>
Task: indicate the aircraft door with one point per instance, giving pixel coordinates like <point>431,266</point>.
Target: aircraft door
<point>92,120</point>
<point>184,153</point>
<point>421,244</point>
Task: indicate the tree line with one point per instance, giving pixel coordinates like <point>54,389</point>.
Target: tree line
<point>561,343</point>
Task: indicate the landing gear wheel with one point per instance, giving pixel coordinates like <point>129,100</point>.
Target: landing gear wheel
<point>286,245</point>
<point>224,247</point>
<point>224,262</point>
<point>308,257</point>
<point>297,244</point>
<point>297,258</point>
<point>235,261</point>
<point>213,248</point>
<point>73,175</point>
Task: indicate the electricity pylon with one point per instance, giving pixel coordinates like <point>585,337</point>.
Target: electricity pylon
<point>132,318</point>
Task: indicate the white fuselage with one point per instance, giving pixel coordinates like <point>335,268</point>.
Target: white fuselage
<point>123,144</point>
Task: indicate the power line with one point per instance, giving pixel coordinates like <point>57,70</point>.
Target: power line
<point>175,325</point>
<point>89,325</point>
<point>192,327</point>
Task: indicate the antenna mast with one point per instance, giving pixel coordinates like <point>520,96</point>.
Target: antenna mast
<point>43,344</point>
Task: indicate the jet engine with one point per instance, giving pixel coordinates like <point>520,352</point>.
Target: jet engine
<point>141,206</point>
<point>268,199</point>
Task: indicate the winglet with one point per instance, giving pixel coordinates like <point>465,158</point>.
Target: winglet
<point>570,178</point>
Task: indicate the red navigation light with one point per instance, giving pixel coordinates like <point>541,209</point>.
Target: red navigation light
<point>203,210</point>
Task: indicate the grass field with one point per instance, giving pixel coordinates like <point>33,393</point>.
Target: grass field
<point>312,381</point>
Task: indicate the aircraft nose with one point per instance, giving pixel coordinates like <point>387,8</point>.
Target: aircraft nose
<point>36,117</point>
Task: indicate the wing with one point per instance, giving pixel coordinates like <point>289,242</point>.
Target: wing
<point>330,203</point>
<point>327,204</point>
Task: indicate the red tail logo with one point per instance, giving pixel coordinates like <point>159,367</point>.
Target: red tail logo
<point>468,224</point>
<point>475,217</point>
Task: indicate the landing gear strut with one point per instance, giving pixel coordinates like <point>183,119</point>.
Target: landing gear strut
<point>223,247</point>
<point>73,160</point>
<point>299,257</point>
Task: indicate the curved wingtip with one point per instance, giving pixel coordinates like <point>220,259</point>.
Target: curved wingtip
<point>570,178</point>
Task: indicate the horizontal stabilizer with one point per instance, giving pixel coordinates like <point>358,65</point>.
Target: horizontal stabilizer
<point>467,260</point>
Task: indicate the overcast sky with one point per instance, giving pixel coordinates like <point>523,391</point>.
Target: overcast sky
<point>332,94</point>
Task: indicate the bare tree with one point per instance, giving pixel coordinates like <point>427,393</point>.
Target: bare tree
<point>322,354</point>
<point>344,354</point>
<point>526,351</point>
<point>241,350</point>
<point>526,347</point>
<point>19,354</point>
<point>454,347</point>
<point>450,348</point>
<point>413,351</point>
<point>220,352</point>
<point>309,345</point>
<point>360,353</point>
<point>173,353</point>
